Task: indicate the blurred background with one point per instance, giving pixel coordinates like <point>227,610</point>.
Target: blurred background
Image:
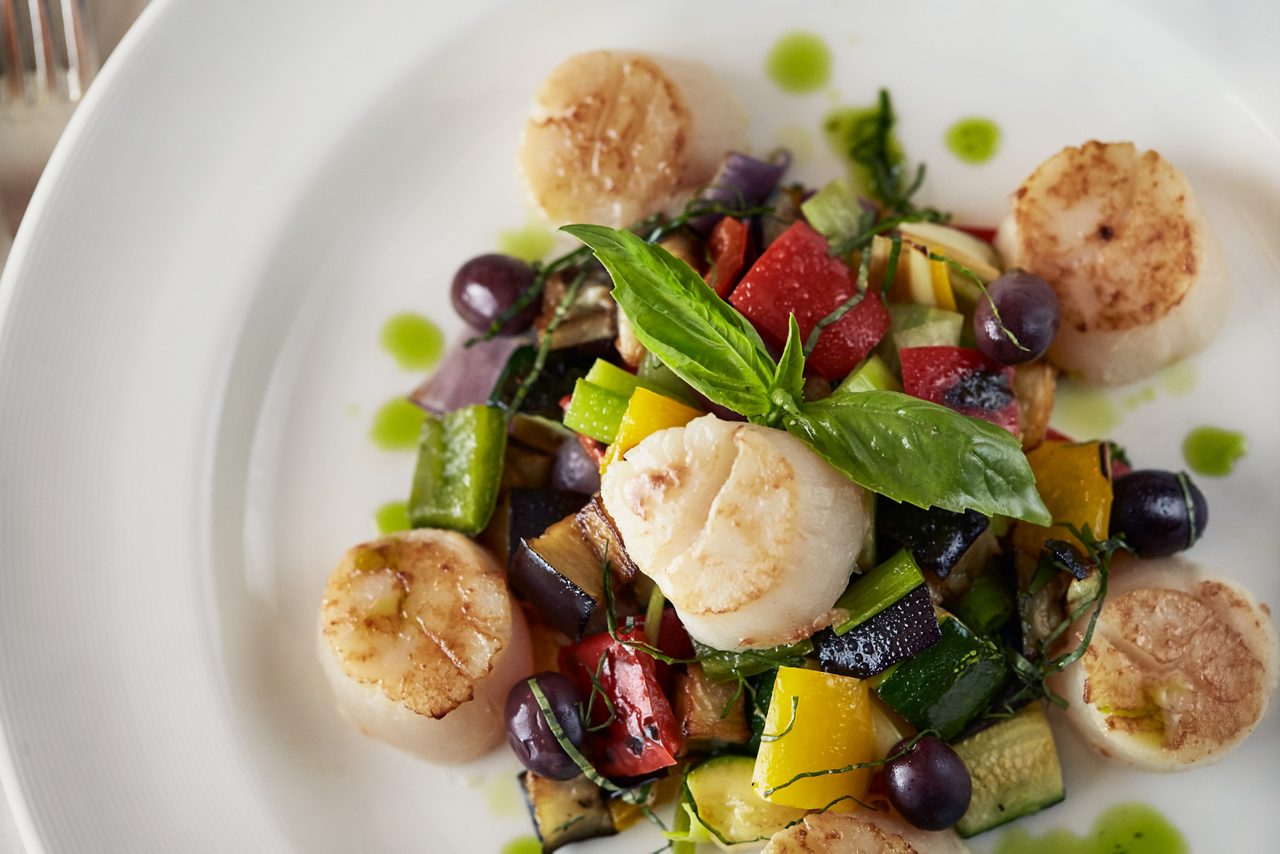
<point>50,51</point>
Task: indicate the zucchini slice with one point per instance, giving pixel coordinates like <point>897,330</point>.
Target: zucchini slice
<point>566,811</point>
<point>1015,771</point>
<point>729,808</point>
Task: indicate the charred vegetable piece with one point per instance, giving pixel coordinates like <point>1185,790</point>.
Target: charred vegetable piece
<point>963,380</point>
<point>795,275</point>
<point>455,483</point>
<point>562,369</point>
<point>1074,481</point>
<point>638,730</point>
<point>877,590</point>
<point>816,722</point>
<point>538,433</point>
<point>900,631</point>
<point>566,811</point>
<point>1034,385</point>
<point>560,575</point>
<point>712,715</point>
<point>532,511</point>
<point>947,685</point>
<point>936,538</point>
<point>602,535</point>
<point>590,323</point>
<point>1015,771</point>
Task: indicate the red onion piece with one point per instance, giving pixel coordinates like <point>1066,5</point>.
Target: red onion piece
<point>574,469</point>
<point>741,180</point>
<point>466,375</point>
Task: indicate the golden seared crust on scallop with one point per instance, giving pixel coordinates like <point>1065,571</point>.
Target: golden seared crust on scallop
<point>1119,235</point>
<point>606,140</point>
<point>423,615</point>
<point>1180,670</point>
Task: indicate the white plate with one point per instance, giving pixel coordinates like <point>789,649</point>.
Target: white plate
<point>189,363</point>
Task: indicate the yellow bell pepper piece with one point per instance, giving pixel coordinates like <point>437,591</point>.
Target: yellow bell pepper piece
<point>647,413</point>
<point>831,728</point>
<point>1075,488</point>
<point>940,278</point>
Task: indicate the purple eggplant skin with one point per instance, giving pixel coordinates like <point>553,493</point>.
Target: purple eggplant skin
<point>936,538</point>
<point>741,181</point>
<point>532,511</point>
<point>906,628</point>
<point>560,603</point>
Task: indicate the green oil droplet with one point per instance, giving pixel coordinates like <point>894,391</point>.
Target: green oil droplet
<point>413,341</point>
<point>1084,413</point>
<point>974,140</point>
<point>799,63</point>
<point>523,845</point>
<point>1122,829</point>
<point>531,243</point>
<point>848,127</point>
<point>1213,451</point>
<point>1146,394</point>
<point>391,517</point>
<point>503,794</point>
<point>1180,379</point>
<point>396,425</point>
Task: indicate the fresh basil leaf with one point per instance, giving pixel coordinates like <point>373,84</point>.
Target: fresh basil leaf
<point>789,378</point>
<point>679,318</point>
<point>922,453</point>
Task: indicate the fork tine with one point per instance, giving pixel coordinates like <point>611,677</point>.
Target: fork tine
<point>47,50</point>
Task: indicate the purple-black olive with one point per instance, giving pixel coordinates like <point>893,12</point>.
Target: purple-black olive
<point>531,739</point>
<point>930,785</point>
<point>1028,309</point>
<point>488,285</point>
<point>1158,512</point>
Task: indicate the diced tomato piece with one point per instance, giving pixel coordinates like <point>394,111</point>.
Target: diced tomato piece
<point>964,380</point>
<point>728,248</point>
<point>796,275</point>
<point>644,735</point>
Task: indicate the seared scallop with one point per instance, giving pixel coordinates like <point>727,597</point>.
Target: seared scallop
<point>421,643</point>
<point>747,532</point>
<point>616,136</point>
<point>862,832</point>
<point>1180,670</point>
<point>1120,237</point>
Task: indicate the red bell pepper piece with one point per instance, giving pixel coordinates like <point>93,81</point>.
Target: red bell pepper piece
<point>962,379</point>
<point>644,736</point>
<point>796,275</point>
<point>728,248</point>
<point>986,235</point>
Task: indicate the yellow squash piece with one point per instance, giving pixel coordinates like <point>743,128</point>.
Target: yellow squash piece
<point>831,728</point>
<point>647,413</point>
<point>1075,487</point>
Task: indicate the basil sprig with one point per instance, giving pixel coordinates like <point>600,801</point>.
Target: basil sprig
<point>891,443</point>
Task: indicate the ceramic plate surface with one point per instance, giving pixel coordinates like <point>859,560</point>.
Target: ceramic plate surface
<point>190,360</point>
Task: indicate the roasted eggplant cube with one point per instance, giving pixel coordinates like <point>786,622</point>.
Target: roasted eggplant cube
<point>906,628</point>
<point>532,511</point>
<point>562,577</point>
<point>562,369</point>
<point>599,530</point>
<point>936,538</point>
<point>712,715</point>
<point>566,811</point>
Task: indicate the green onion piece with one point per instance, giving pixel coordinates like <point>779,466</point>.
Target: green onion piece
<point>612,378</point>
<point>653,615</point>
<point>721,666</point>
<point>595,411</point>
<point>879,589</point>
<point>987,605</point>
<point>455,483</point>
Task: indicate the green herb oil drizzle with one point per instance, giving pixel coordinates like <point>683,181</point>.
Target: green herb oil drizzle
<point>396,425</point>
<point>973,140</point>
<point>1213,451</point>
<point>413,341</point>
<point>799,63</point>
<point>1123,829</point>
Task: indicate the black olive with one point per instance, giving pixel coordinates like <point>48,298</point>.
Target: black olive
<point>1158,512</point>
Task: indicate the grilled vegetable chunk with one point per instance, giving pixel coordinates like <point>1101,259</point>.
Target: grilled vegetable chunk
<point>1015,771</point>
<point>712,715</point>
<point>566,811</point>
